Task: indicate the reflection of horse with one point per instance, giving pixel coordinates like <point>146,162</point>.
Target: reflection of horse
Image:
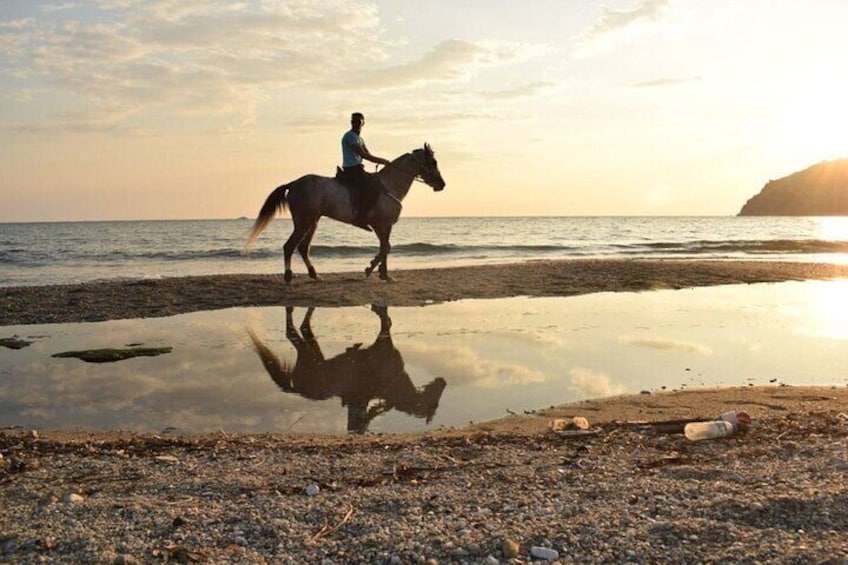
<point>313,196</point>
<point>358,376</point>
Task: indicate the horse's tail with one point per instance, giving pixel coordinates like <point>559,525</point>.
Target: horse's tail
<point>279,371</point>
<point>275,202</point>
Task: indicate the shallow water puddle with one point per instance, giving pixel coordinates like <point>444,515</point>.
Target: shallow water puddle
<point>405,369</point>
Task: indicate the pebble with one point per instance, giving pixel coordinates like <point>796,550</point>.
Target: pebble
<point>312,489</point>
<point>545,553</point>
<point>510,548</point>
<point>494,507</point>
<point>74,498</point>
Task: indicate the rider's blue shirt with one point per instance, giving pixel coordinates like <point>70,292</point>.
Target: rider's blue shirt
<point>351,158</point>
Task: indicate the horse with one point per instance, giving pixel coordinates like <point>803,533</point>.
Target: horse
<point>312,196</point>
<point>358,376</point>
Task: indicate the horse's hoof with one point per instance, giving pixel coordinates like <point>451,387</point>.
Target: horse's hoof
<point>288,276</point>
<point>314,275</point>
<point>386,278</point>
<point>368,271</point>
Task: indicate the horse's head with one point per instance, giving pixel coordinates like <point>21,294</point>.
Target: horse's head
<point>428,167</point>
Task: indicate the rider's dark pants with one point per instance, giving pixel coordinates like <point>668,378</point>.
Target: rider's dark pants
<point>367,185</point>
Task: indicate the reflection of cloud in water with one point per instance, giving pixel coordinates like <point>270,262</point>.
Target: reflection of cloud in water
<point>656,343</point>
<point>203,390</point>
<point>463,366</point>
<point>593,383</point>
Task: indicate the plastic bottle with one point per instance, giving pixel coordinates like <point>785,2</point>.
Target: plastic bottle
<point>696,431</point>
<point>740,418</point>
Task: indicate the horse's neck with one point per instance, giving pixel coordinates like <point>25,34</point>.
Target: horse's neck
<point>397,176</point>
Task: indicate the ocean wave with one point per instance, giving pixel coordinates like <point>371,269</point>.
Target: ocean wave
<point>33,258</point>
<point>753,246</point>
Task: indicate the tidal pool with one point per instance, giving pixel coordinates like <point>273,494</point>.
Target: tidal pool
<point>405,369</point>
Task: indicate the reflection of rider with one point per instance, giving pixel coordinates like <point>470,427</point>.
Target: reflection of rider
<point>369,186</point>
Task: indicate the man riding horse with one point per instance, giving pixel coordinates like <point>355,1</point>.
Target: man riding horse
<point>367,186</point>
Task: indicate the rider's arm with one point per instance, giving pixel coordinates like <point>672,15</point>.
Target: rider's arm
<point>363,152</point>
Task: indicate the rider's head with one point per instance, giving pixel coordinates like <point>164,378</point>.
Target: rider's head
<point>357,120</point>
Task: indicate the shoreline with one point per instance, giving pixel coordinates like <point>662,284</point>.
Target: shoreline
<point>110,300</point>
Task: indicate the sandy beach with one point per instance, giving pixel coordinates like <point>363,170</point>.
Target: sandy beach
<point>169,296</point>
<point>509,491</point>
<point>630,489</point>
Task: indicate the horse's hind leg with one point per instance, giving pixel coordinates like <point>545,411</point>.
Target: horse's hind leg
<point>303,248</point>
<point>291,244</point>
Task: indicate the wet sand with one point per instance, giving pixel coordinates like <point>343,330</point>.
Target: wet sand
<point>170,296</point>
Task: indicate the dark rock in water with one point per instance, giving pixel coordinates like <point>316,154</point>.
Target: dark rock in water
<point>14,343</point>
<point>113,355</point>
<point>821,190</point>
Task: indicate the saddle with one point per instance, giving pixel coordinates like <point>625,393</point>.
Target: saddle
<point>344,179</point>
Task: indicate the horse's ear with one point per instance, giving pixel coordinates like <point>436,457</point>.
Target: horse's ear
<point>427,148</point>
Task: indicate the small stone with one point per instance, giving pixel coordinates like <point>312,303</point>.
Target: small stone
<point>510,548</point>
<point>74,498</point>
<point>492,560</point>
<point>312,489</point>
<point>126,559</point>
<point>545,553</point>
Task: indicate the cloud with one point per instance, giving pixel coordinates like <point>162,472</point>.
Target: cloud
<point>524,91</point>
<point>48,8</point>
<point>616,25</point>
<point>612,20</point>
<point>593,383</point>
<point>450,61</point>
<point>663,82</point>
<point>461,366</point>
<point>175,60</point>
<point>668,344</point>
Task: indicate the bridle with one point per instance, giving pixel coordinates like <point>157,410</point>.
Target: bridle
<point>416,176</point>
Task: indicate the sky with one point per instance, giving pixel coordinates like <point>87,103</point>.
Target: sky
<point>131,109</point>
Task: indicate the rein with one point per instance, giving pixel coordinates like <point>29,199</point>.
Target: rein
<point>415,178</point>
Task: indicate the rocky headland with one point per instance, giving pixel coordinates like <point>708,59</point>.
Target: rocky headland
<point>820,190</point>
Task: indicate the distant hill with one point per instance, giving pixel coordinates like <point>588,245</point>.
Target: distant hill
<point>821,190</point>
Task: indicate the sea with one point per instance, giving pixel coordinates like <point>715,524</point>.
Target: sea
<point>78,252</point>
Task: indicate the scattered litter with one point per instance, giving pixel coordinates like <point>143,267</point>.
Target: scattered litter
<point>166,459</point>
<point>728,424</point>
<point>562,424</point>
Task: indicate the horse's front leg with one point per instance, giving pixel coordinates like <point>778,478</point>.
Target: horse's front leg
<point>374,262</point>
<point>385,248</point>
<point>383,234</point>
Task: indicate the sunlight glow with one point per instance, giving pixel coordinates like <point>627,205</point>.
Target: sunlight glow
<point>826,316</point>
<point>833,228</point>
<point>815,118</point>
